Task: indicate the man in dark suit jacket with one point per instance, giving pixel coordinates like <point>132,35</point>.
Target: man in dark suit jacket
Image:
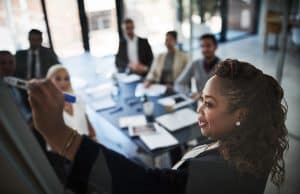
<point>35,61</point>
<point>134,53</point>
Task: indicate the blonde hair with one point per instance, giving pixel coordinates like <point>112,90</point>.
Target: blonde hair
<point>56,68</point>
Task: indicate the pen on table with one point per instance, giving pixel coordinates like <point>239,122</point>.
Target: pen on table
<point>129,98</point>
<point>134,102</point>
<point>116,110</point>
<point>23,84</point>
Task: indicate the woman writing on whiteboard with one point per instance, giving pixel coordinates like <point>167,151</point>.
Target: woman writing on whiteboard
<point>241,110</point>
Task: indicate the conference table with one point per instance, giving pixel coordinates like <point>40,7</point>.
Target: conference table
<point>106,124</point>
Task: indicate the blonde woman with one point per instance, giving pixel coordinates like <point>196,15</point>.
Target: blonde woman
<point>73,114</point>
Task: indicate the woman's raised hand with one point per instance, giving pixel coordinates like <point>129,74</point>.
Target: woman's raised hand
<point>47,104</point>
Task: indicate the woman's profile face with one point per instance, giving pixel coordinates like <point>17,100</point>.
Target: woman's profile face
<point>214,119</point>
<point>61,80</point>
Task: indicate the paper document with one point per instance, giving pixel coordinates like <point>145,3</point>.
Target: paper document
<point>139,130</point>
<point>100,90</point>
<point>78,82</point>
<point>160,139</point>
<point>124,78</point>
<point>179,119</point>
<point>103,103</point>
<point>153,90</point>
<point>135,120</point>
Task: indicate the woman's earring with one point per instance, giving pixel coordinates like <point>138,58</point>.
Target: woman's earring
<point>238,123</point>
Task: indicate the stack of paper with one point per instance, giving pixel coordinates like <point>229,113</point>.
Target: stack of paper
<point>135,120</point>
<point>129,78</point>
<point>179,119</point>
<point>153,90</point>
<point>160,139</point>
<point>101,90</point>
<point>139,130</point>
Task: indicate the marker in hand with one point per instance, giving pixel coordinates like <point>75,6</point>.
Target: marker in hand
<point>23,84</point>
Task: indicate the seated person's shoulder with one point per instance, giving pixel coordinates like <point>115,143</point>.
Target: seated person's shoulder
<point>211,162</point>
<point>206,173</point>
<point>143,40</point>
<point>45,49</point>
<point>197,61</point>
<point>21,52</point>
<point>213,170</point>
<point>122,40</point>
<point>183,54</point>
<point>210,156</point>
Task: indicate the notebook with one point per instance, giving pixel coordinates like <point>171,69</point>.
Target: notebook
<point>104,103</point>
<point>160,139</point>
<point>132,120</point>
<point>153,90</point>
<point>179,119</point>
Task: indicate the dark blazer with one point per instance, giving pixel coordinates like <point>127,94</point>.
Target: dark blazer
<point>101,170</point>
<point>145,54</point>
<point>47,59</point>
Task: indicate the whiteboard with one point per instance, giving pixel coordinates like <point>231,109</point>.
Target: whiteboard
<point>24,167</point>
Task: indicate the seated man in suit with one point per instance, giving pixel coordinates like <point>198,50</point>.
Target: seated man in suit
<point>200,69</point>
<point>134,53</point>
<point>167,66</point>
<point>35,61</point>
<point>7,68</point>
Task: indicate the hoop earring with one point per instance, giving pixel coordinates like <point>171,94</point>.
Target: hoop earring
<point>238,123</point>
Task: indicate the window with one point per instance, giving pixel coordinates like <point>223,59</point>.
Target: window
<point>103,30</point>
<point>153,18</point>
<point>17,18</point>
<point>65,27</point>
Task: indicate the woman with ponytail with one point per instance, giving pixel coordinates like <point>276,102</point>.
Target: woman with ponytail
<point>241,112</point>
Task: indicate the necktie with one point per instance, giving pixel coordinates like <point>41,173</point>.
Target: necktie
<point>33,64</point>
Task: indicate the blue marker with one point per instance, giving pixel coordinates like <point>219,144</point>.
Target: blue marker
<point>22,84</point>
<point>69,97</point>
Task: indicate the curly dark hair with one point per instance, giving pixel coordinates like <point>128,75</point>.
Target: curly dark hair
<point>258,144</point>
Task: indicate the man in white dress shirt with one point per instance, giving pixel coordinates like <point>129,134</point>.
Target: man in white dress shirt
<point>134,53</point>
